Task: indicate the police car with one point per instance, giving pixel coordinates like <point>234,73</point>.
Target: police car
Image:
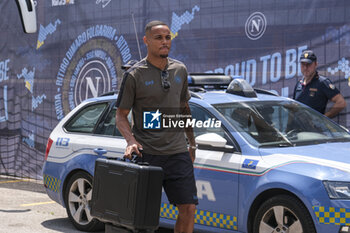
<point>264,163</point>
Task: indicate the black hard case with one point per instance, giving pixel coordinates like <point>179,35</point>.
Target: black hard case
<point>127,194</point>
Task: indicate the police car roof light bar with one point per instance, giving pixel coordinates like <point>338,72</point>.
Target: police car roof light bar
<point>209,80</point>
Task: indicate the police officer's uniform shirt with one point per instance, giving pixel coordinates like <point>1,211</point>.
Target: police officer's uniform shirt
<point>142,91</point>
<point>316,93</point>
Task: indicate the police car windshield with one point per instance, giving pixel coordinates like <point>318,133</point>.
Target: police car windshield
<point>281,123</point>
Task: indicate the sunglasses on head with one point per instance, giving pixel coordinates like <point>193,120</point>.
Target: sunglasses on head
<point>165,81</point>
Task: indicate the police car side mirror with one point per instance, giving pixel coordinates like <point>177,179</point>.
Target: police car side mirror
<point>213,142</point>
<point>28,15</point>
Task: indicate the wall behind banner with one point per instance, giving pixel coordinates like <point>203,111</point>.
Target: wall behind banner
<point>80,46</point>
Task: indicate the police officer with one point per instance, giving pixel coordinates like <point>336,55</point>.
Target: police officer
<point>315,90</point>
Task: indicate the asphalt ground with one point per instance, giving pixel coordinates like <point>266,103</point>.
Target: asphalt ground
<point>26,208</point>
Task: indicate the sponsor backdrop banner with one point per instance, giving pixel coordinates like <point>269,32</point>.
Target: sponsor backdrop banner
<point>80,45</point>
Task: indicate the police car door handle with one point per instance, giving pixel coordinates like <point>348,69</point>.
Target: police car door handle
<point>100,151</point>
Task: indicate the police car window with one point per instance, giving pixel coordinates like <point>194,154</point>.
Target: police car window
<point>252,121</point>
<point>109,127</point>
<point>208,126</point>
<point>85,121</point>
<point>280,123</point>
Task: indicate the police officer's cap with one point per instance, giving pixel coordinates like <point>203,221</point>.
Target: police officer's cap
<point>129,64</point>
<point>308,56</point>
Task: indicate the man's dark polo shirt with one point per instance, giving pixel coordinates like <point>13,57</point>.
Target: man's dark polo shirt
<point>316,93</point>
<point>142,91</point>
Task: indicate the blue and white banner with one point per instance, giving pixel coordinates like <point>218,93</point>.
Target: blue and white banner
<point>80,46</point>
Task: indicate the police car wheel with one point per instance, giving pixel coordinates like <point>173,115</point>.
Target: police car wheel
<point>283,214</point>
<point>78,195</point>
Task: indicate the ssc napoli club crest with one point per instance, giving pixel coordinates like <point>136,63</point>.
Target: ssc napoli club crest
<point>255,26</point>
<point>90,67</point>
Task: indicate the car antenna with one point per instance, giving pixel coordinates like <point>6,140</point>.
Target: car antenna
<point>137,38</point>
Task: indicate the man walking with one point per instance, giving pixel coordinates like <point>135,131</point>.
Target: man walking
<point>155,85</point>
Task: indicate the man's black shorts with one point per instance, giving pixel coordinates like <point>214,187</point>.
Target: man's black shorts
<point>179,183</point>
